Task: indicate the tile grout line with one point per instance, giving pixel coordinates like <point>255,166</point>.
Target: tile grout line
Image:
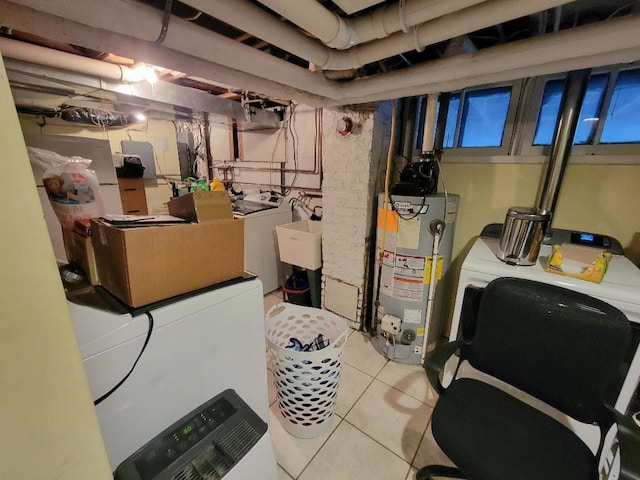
<point>376,441</point>
<point>321,446</point>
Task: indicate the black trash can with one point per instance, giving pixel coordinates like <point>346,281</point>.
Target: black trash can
<point>296,290</point>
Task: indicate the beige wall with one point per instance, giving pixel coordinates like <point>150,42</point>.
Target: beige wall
<point>50,429</point>
<point>595,198</point>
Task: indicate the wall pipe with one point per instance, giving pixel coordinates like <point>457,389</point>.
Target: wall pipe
<point>273,185</point>
<point>430,122</point>
<point>409,108</point>
<point>574,90</point>
<point>317,153</point>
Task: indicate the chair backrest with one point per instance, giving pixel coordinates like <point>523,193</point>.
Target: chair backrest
<point>561,346</point>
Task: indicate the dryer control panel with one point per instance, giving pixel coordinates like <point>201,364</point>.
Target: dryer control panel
<point>206,443</point>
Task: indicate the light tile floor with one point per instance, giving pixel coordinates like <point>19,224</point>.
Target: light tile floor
<point>380,427</point>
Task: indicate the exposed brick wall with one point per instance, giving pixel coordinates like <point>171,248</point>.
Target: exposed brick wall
<point>352,171</point>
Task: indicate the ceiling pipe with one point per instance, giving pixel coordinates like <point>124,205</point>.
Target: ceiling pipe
<point>440,29</point>
<point>343,33</point>
<point>48,26</point>
<point>589,40</point>
<point>67,61</point>
<point>244,16</point>
<point>570,105</point>
<point>145,23</point>
<point>583,47</point>
<point>161,98</point>
<point>311,16</point>
<point>600,60</point>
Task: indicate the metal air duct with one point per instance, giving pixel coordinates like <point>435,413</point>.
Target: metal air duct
<point>571,103</point>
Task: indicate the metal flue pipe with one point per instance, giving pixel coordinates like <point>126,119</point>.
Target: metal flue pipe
<point>574,90</point>
<point>409,106</point>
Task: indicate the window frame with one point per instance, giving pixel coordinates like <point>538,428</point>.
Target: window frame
<point>594,153</point>
<point>456,152</point>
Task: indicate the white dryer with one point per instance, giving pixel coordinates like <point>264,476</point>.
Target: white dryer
<point>168,361</point>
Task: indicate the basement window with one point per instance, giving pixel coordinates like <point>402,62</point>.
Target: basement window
<point>483,117</point>
<point>550,110</point>
<point>609,121</point>
<point>622,122</point>
<point>480,121</point>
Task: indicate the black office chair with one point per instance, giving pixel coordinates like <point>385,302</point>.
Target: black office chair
<point>566,349</point>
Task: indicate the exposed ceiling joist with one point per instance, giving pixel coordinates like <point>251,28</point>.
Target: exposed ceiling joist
<point>378,60</point>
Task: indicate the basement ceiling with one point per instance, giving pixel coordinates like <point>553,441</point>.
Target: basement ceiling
<point>263,53</point>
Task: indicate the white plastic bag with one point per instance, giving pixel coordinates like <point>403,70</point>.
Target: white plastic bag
<point>73,189</point>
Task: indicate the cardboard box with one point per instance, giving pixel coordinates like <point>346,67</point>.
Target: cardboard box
<point>148,264</point>
<point>300,243</point>
<point>79,250</point>
<point>201,206</point>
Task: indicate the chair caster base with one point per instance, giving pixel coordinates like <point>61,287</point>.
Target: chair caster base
<point>430,471</point>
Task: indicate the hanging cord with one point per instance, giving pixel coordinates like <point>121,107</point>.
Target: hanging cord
<point>144,346</point>
<point>165,21</point>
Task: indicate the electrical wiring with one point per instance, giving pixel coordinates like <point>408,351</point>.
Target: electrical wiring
<point>294,142</point>
<point>415,214</point>
<point>196,156</point>
<point>124,379</point>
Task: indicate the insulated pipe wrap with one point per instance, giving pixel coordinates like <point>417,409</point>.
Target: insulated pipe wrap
<point>343,36</point>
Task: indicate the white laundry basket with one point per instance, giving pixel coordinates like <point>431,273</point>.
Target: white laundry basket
<point>306,382</point>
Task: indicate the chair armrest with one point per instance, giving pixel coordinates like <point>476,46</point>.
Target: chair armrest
<point>435,361</point>
<point>629,443</point>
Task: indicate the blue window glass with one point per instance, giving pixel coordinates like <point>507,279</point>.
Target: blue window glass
<point>622,123</point>
<point>484,117</point>
<point>549,110</point>
<point>452,120</point>
<point>590,111</point>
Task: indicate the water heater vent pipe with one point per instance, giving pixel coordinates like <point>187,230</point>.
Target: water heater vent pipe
<point>574,90</point>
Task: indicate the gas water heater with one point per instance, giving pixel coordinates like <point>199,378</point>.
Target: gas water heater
<point>407,312</point>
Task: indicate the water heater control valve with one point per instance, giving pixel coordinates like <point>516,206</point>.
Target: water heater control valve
<point>390,324</point>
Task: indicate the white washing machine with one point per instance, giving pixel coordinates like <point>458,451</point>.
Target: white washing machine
<point>261,255</point>
<point>164,363</point>
<point>620,288</point>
